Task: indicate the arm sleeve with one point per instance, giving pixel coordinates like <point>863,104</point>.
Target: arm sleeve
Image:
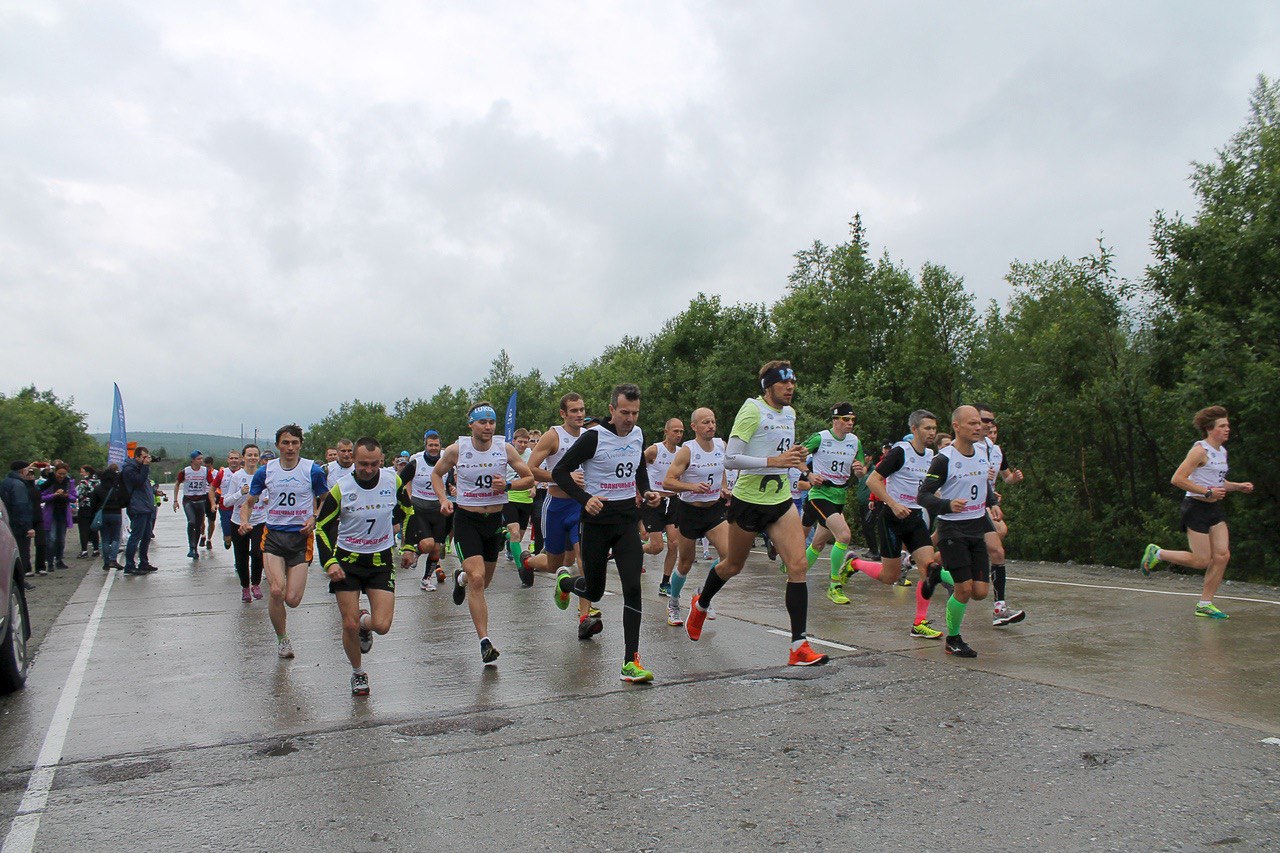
<point>407,473</point>
<point>232,497</point>
<point>327,525</point>
<point>891,462</point>
<point>583,449</point>
<point>735,457</point>
<point>259,483</point>
<point>928,496</point>
<point>403,511</point>
<point>642,479</point>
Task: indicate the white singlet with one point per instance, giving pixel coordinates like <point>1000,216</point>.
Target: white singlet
<point>658,467</point>
<point>364,525</point>
<point>834,457</point>
<point>903,485</point>
<point>422,488</point>
<point>481,474</point>
<point>967,479</point>
<point>611,473</point>
<point>195,484</point>
<point>705,466</point>
<point>333,472</point>
<point>292,500</point>
<point>1213,473</point>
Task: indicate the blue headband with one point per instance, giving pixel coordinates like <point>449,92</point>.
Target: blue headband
<point>483,413</point>
<point>778,374</point>
<point>430,433</point>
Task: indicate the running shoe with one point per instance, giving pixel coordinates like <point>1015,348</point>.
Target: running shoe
<point>524,571</point>
<point>201,543</point>
<point>674,616</point>
<point>848,570</point>
<point>208,545</point>
<point>561,596</point>
<point>958,647</point>
<point>226,542</point>
<point>924,631</point>
<point>1150,557</point>
<point>284,648</point>
<point>439,573</point>
<point>83,555</point>
<point>770,551</point>
<point>245,596</point>
<point>693,624</point>
<point>804,655</point>
<point>459,588</point>
<point>664,589</point>
<point>428,584</point>
<point>634,673</point>
<point>256,592</point>
<point>1002,615</point>
<point>903,581</point>
<point>594,612</point>
<point>835,592</point>
<point>192,555</point>
<point>932,577</point>
<point>359,684</point>
<point>488,651</point>
<point>1208,611</point>
<point>366,634</point>
<point>589,626</point>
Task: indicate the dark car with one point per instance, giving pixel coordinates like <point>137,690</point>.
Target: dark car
<point>15,630</point>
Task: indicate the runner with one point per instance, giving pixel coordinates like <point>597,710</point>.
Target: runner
<point>539,497</point>
<point>428,528</point>
<point>956,491</point>
<point>342,463</point>
<point>611,456</point>
<point>1002,614</point>
<point>293,485</point>
<point>211,507</point>
<point>696,476</point>
<point>561,514</point>
<point>1203,476</point>
<point>255,521</point>
<point>194,483</point>
<point>895,482</point>
<point>235,491</point>
<point>761,447</point>
<point>661,520</point>
<point>354,537</point>
<point>518,510</point>
<point>330,455</point>
<point>479,463</point>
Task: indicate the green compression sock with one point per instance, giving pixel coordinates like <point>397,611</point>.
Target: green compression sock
<point>946,577</point>
<point>811,555</point>
<point>955,615</point>
<point>838,551</point>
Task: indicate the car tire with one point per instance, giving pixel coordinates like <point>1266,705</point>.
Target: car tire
<point>14,657</point>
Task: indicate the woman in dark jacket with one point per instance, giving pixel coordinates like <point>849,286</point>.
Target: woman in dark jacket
<point>84,510</point>
<point>58,495</point>
<point>110,496</point>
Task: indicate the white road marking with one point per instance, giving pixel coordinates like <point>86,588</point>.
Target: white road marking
<point>814,640</point>
<point>22,832</point>
<point>1149,591</point>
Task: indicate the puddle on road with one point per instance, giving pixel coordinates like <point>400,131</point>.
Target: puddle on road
<point>480,725</point>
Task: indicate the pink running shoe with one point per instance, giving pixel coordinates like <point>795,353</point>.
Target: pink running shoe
<point>256,591</point>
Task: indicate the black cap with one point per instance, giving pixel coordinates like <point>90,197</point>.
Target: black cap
<point>842,409</point>
<point>19,466</point>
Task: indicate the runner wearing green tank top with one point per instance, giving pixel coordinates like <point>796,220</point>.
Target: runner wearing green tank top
<point>762,449</point>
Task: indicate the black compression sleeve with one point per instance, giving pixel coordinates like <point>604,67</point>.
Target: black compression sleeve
<point>583,449</point>
<point>891,462</point>
<point>642,479</point>
<point>929,486</point>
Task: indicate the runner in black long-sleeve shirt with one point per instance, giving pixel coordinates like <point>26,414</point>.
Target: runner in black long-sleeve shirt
<point>611,455</point>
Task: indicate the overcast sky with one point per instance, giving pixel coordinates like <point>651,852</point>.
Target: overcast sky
<point>251,212</point>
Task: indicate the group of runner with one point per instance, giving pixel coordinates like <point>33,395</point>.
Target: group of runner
<point>593,493</point>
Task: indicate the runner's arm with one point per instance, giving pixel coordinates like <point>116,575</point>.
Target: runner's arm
<point>1182,477</point>
<point>679,465</point>
<point>403,511</point>
<point>524,479</point>
<point>890,464</point>
<point>583,449</point>
<point>448,457</point>
<point>928,495</point>
<point>327,526</point>
<point>548,444</point>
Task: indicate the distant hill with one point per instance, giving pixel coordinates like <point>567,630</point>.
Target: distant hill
<point>178,444</point>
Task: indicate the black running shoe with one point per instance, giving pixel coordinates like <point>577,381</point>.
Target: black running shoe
<point>488,651</point>
<point>525,573</point>
<point>958,647</point>
<point>589,626</point>
<point>459,588</point>
<point>932,577</point>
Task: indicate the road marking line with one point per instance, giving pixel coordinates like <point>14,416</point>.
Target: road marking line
<point>814,640</point>
<point>1151,591</point>
<point>22,832</point>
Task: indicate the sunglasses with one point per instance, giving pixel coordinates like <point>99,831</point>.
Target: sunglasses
<point>988,420</point>
<point>846,418</point>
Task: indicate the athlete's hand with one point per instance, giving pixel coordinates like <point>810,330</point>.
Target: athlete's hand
<point>175,506</point>
<point>407,559</point>
<point>579,478</point>
<point>593,506</point>
<point>309,525</point>
<point>1215,495</point>
<point>958,505</point>
<point>244,528</point>
<point>335,573</point>
<point>997,514</point>
<point>1015,475</point>
<point>700,488</point>
<point>244,490</point>
<point>446,506</point>
<point>858,468</point>
<point>1247,488</point>
<point>816,479</point>
<point>652,498</point>
<point>899,510</point>
<point>501,485</point>
<point>791,459</point>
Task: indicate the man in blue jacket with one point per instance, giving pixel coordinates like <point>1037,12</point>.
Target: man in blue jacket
<point>136,479</point>
<point>17,492</point>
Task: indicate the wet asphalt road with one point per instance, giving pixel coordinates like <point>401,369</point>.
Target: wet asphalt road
<point>1110,719</point>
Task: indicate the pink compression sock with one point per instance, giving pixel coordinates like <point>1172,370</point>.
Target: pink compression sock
<point>922,605</point>
<point>868,568</point>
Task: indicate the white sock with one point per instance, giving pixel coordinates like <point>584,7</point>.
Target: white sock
<point>357,670</point>
<point>1204,603</point>
<point>364,622</point>
<point>795,644</point>
<point>1160,554</point>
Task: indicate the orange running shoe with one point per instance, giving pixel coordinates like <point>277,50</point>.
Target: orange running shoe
<point>804,655</point>
<point>693,622</point>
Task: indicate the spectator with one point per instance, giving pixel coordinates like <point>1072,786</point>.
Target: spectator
<point>112,498</point>
<point>22,507</point>
<point>84,512</point>
<point>141,506</point>
<point>59,497</point>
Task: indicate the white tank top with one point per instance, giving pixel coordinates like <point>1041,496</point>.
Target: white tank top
<point>966,478</point>
<point>422,488</point>
<point>903,485</point>
<point>364,527</point>
<point>834,457</point>
<point>705,466</point>
<point>292,501</point>
<point>195,484</point>
<point>776,434</point>
<point>1213,473</point>
<point>611,473</point>
<point>658,468</point>
<point>565,441</point>
<point>333,472</point>
<point>793,474</point>
<point>995,456</point>
<point>481,474</point>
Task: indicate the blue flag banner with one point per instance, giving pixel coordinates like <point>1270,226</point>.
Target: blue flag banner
<point>117,450</point>
<point>511,417</point>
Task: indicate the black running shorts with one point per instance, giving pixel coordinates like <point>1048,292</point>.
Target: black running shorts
<point>291,546</point>
<point>964,555</point>
<point>479,534</point>
<point>364,578</point>
<point>757,518</point>
<point>1199,516</point>
<point>657,518</point>
<point>895,533</point>
<point>695,519</point>
<point>427,523</point>
<point>517,513</point>
<point>817,511</point>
